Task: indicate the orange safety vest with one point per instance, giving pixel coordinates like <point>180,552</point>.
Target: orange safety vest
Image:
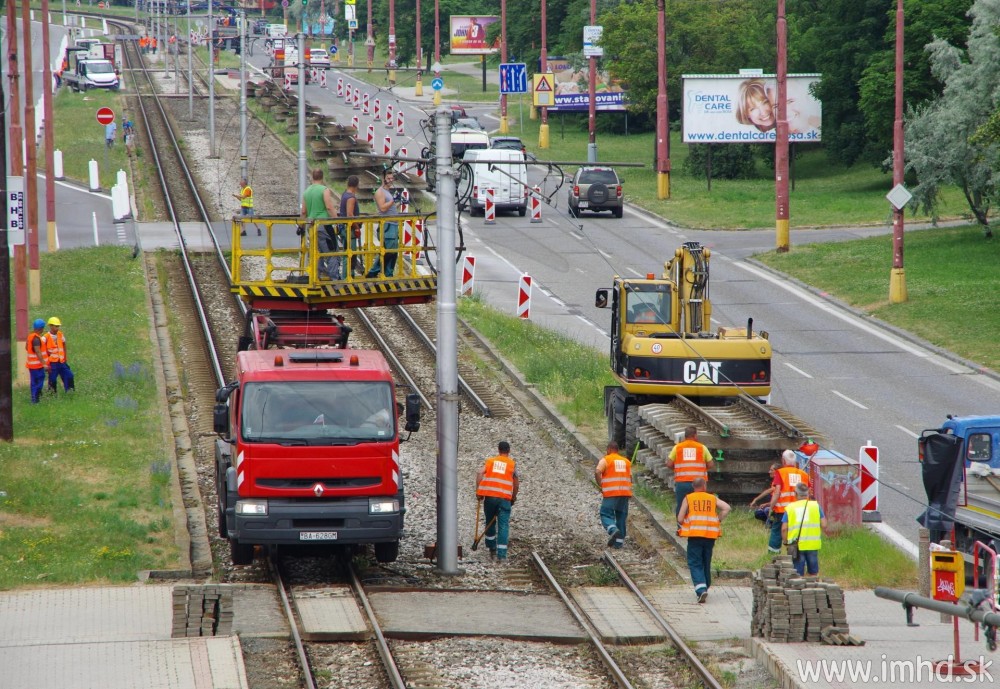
<point>616,480</point>
<point>33,361</point>
<point>790,477</point>
<point>689,461</point>
<point>702,519</point>
<point>54,345</point>
<point>498,478</point>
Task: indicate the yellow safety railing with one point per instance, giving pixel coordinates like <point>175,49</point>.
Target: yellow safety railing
<point>290,250</point>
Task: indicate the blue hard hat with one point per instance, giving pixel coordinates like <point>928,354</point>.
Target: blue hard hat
<point>39,323</point>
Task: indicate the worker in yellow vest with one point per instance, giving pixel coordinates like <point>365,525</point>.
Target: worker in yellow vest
<point>701,518</point>
<point>54,343</point>
<point>37,361</point>
<point>497,484</point>
<point>614,476</point>
<point>688,459</point>
<point>788,476</point>
<point>803,524</point>
<point>245,197</point>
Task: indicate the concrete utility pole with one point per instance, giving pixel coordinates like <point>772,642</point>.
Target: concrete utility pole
<point>244,159</point>
<point>50,174</point>
<point>370,43</point>
<point>302,113</point>
<point>504,127</point>
<point>662,113</point>
<point>897,278</point>
<point>437,49</point>
<point>781,140</point>
<point>6,358</point>
<point>447,354</point>
<point>543,128</point>
<point>17,170</point>
<point>392,42</point>
<point>419,87</point>
<point>190,67</point>
<point>31,176</point>
<point>211,83</point>
<point>592,91</point>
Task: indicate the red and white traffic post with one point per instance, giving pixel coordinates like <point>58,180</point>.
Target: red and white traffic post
<point>371,135</point>
<point>340,87</point>
<point>354,122</point>
<point>468,275</point>
<point>418,237</point>
<point>388,115</point>
<point>401,167</point>
<point>404,207</point>
<point>387,145</point>
<point>490,212</point>
<point>348,92</point>
<point>366,104</point>
<point>399,122</point>
<point>536,204</point>
<point>288,81</point>
<point>868,458</point>
<point>322,78</point>
<point>524,297</point>
<point>378,110</point>
<point>357,99</point>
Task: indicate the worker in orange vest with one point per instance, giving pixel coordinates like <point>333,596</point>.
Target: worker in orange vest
<point>701,518</point>
<point>788,476</point>
<point>614,476</point>
<point>37,361</point>
<point>54,343</point>
<point>689,460</point>
<point>497,484</point>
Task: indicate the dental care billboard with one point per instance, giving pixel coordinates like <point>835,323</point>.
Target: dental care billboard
<point>468,35</point>
<point>742,108</point>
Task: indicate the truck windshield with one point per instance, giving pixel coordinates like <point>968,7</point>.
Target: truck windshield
<point>100,68</point>
<point>318,412</point>
<point>648,304</point>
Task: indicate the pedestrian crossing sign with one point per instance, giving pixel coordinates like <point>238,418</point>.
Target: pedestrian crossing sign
<point>542,89</point>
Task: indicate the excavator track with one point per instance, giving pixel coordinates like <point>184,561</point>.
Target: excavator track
<point>747,435</point>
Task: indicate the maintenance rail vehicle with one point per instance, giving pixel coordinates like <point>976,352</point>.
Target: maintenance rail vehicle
<point>308,453</point>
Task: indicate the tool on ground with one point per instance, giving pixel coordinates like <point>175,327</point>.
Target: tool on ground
<point>479,508</point>
<point>475,543</point>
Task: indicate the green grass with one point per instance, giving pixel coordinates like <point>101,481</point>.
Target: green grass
<point>80,137</point>
<point>950,281</point>
<point>572,376</point>
<point>87,479</point>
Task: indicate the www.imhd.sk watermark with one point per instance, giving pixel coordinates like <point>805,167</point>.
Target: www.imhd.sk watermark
<point>889,671</point>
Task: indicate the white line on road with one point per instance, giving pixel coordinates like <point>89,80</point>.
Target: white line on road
<point>897,539</point>
<point>848,399</point>
<point>797,370</point>
<point>908,431</point>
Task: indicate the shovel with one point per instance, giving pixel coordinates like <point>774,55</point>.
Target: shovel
<point>475,543</point>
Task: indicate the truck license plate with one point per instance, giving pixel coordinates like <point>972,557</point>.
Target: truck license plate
<point>318,536</point>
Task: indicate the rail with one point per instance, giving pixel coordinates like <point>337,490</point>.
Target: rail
<point>769,417</point>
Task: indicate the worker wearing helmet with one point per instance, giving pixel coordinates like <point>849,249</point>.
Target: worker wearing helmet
<point>54,344</point>
<point>37,361</point>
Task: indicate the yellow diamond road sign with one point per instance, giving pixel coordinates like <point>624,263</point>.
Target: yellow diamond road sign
<point>542,89</point>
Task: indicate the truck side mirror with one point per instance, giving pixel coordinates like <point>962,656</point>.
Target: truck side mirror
<point>601,298</point>
<point>412,413</point>
<point>220,418</point>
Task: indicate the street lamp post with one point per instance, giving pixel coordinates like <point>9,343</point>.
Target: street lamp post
<point>897,278</point>
<point>662,114</point>
<point>781,138</point>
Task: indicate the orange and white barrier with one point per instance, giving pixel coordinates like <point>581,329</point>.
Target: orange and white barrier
<point>490,209</point>
<point>524,297</point>
<point>536,204</point>
<point>868,458</point>
<point>468,275</point>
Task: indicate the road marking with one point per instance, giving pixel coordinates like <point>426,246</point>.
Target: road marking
<point>797,370</point>
<point>829,308</point>
<point>897,539</point>
<point>848,399</point>
<point>908,431</point>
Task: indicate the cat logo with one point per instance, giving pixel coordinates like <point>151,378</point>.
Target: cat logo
<point>702,372</point>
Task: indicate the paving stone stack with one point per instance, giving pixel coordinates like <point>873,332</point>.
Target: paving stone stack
<point>791,608</point>
<point>205,610</point>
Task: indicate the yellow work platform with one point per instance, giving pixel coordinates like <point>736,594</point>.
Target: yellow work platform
<point>292,261</point>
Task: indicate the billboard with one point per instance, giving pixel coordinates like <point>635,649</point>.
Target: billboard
<point>733,108</point>
<point>468,35</point>
<point>572,84</point>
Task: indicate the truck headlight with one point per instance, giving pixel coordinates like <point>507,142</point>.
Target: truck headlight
<point>382,505</point>
<point>257,508</point>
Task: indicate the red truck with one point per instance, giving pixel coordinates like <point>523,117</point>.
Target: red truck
<point>308,453</point>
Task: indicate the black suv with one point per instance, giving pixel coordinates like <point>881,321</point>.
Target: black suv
<point>596,189</point>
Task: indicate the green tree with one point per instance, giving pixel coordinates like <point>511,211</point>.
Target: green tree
<point>941,145</point>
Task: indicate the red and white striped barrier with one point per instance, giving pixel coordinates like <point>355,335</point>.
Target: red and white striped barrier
<point>366,104</point>
<point>490,209</point>
<point>313,74</point>
<point>401,166</point>
<point>371,135</point>
<point>868,458</point>
<point>404,203</point>
<point>348,90</point>
<point>378,110</point>
<point>354,122</point>
<point>340,87</point>
<point>419,168</point>
<point>536,204</point>
<point>322,78</point>
<point>357,99</point>
<point>468,275</point>
<point>388,115</point>
<point>418,237</point>
<point>524,297</point>
<point>387,145</point>
<point>399,122</point>
<point>404,207</point>
<point>288,81</point>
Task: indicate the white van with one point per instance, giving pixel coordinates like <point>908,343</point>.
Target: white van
<point>276,30</point>
<point>463,140</point>
<point>502,170</point>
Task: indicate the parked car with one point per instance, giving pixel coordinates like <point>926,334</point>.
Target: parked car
<point>318,57</point>
<point>596,188</point>
<point>467,123</point>
<point>510,143</point>
<point>457,111</point>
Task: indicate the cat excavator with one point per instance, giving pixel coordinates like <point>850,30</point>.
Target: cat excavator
<point>674,371</point>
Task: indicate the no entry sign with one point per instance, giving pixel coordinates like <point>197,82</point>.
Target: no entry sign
<point>105,115</point>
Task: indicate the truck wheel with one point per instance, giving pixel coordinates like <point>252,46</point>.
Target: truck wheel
<point>240,553</point>
<point>221,510</point>
<point>616,430</point>
<point>387,552</point>
<point>631,431</point>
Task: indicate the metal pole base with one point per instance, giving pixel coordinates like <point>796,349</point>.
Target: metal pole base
<point>592,153</point>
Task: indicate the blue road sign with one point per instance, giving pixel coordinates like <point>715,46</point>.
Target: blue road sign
<point>513,77</point>
<point>333,50</point>
<point>437,83</point>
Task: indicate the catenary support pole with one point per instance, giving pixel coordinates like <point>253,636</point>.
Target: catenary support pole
<point>244,160</point>
<point>592,91</point>
<point>6,355</point>
<point>302,113</point>
<point>897,278</point>
<point>17,170</point>
<point>50,174</point>
<point>782,238</point>
<point>211,82</point>
<point>30,174</point>
<point>190,66</point>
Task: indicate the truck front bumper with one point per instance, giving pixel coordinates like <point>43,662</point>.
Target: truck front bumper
<point>319,522</point>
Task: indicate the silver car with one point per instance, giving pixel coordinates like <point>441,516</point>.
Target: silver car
<point>596,189</point>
